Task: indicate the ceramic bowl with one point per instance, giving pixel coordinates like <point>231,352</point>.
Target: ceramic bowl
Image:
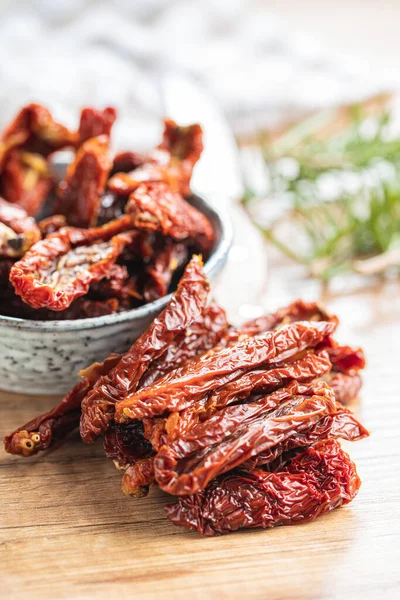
<point>43,357</point>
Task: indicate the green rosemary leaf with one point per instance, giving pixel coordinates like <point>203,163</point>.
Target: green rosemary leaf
<point>351,226</point>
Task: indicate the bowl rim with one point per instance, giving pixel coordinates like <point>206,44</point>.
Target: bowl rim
<point>218,257</point>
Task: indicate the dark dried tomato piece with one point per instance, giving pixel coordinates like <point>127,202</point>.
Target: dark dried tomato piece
<point>18,231</point>
<point>308,367</point>
<point>46,429</point>
<point>95,122</point>
<point>125,444</point>
<point>154,207</point>
<point>184,145</point>
<point>305,369</point>
<point>159,272</point>
<point>60,268</point>
<point>112,285</point>
<point>315,482</point>
<point>185,307</point>
<point>124,162</point>
<point>85,181</point>
<point>85,308</point>
<point>111,207</point>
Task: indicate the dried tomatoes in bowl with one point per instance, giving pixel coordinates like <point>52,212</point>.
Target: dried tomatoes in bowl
<point>92,248</point>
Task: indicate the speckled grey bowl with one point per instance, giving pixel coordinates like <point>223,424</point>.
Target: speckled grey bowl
<point>43,357</point>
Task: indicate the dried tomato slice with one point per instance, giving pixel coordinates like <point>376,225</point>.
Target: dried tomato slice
<point>296,311</point>
<point>120,442</point>
<point>125,444</point>
<point>202,335</point>
<point>34,130</point>
<point>52,224</point>
<point>124,162</point>
<point>138,478</point>
<point>154,207</point>
<point>315,482</point>
<point>26,180</point>
<point>342,424</point>
<point>159,272</point>
<point>60,268</point>
<point>80,193</point>
<point>185,307</point>
<point>18,231</point>
<point>346,359</point>
<point>171,162</point>
<point>94,122</point>
<point>346,387</point>
<point>44,431</point>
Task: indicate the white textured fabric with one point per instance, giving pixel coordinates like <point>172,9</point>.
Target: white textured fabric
<point>68,53</point>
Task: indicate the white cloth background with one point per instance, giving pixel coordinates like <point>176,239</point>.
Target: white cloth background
<point>68,53</point>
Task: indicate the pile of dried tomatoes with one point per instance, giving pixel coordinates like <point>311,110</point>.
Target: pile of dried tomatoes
<point>241,425</point>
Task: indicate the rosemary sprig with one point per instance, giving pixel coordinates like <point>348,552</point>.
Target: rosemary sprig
<point>349,229</point>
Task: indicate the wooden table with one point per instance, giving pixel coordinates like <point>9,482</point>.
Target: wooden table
<point>68,532</point>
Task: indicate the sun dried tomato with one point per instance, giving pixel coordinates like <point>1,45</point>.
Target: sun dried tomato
<point>154,207</point>
<point>306,368</point>
<point>121,441</point>
<point>296,311</point>
<point>346,387</point>
<point>185,307</point>
<point>18,231</point>
<point>315,482</point>
<point>50,428</point>
<point>184,145</point>
<point>125,444</point>
<point>124,162</point>
<point>200,336</point>
<point>79,195</point>
<point>237,433</point>
<point>346,359</point>
<point>34,130</point>
<point>342,424</point>
<point>112,285</point>
<point>60,268</point>
<point>159,272</point>
<point>94,122</point>
<point>171,162</point>
<point>85,308</point>
<point>26,180</point>
<point>138,478</point>
<point>186,385</point>
<point>111,207</point>
<point>52,224</point>
<point>95,370</point>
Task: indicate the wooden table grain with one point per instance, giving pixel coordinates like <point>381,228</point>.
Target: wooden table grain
<point>68,532</point>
